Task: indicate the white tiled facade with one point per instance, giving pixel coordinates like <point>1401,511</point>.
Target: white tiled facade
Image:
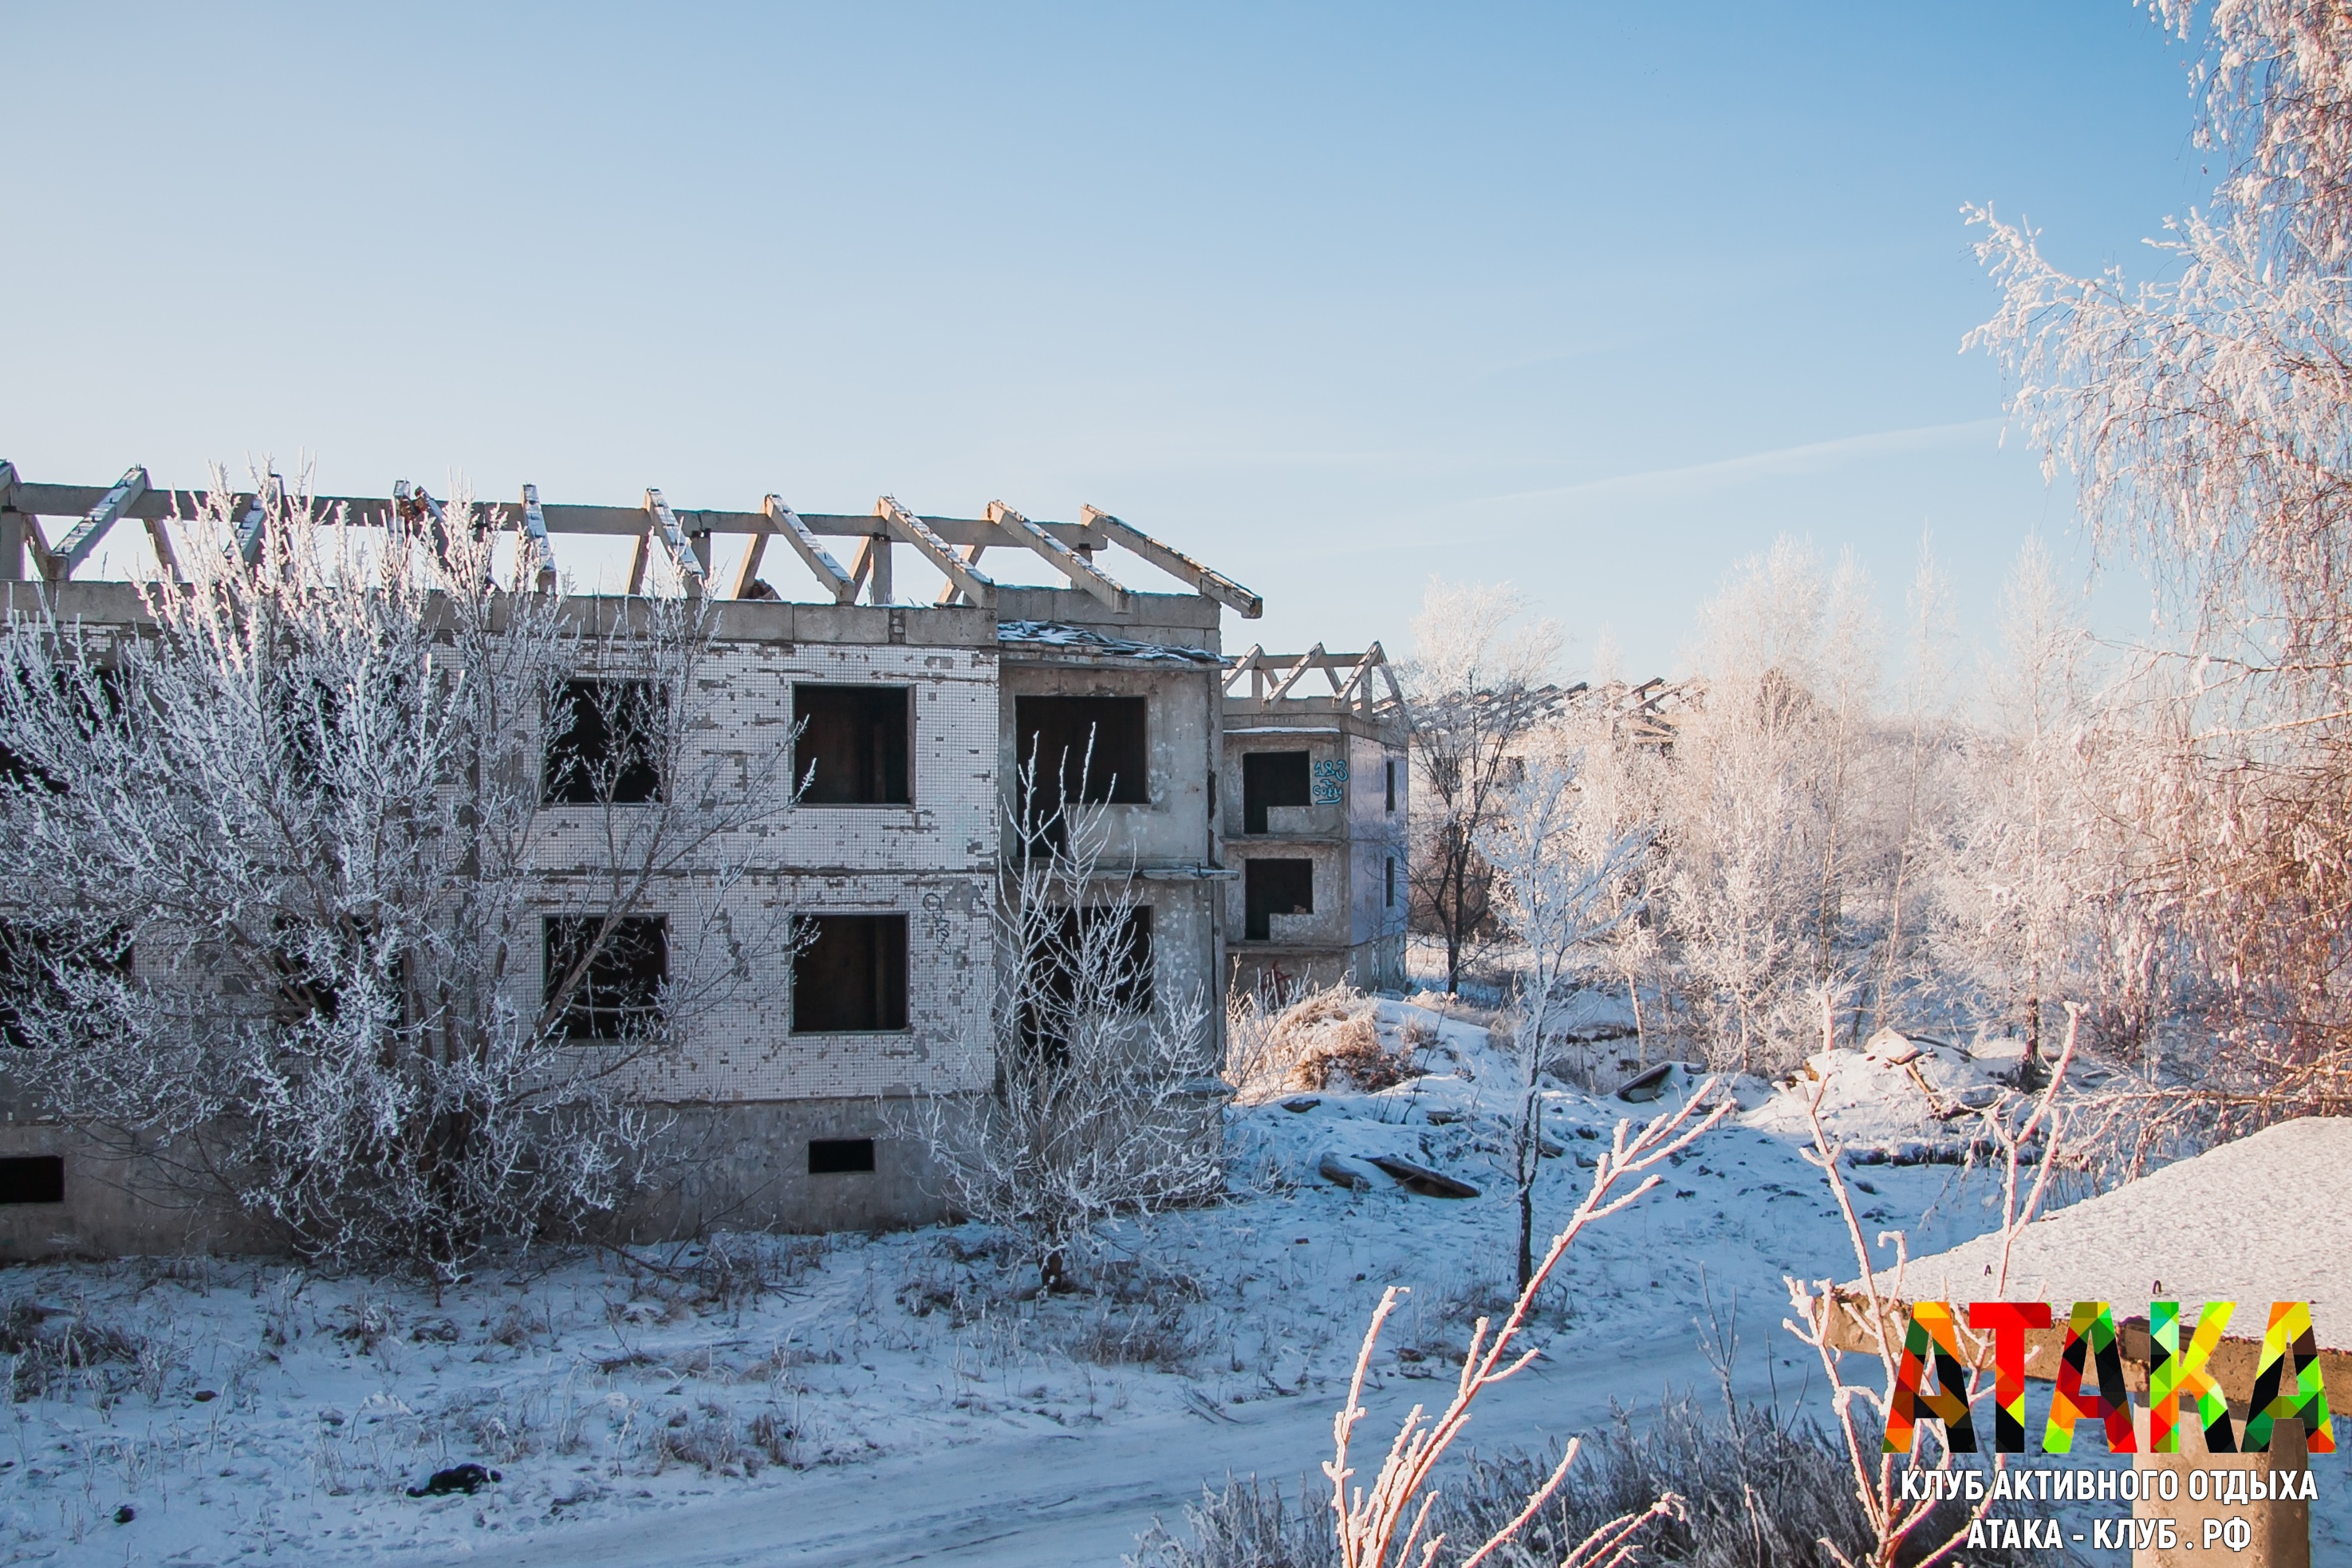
<point>746,1096</point>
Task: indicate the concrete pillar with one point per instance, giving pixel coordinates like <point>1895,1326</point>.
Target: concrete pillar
<point>2281,1531</point>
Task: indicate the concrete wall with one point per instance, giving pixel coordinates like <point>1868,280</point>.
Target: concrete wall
<point>116,1203</point>
<point>1353,934</point>
<point>746,1167</point>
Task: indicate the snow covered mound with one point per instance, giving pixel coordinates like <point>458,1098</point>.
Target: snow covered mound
<point>1897,1101</point>
<point>2287,1192</point>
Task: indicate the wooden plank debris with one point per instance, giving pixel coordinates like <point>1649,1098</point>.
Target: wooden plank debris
<point>536,550</point>
<point>14,526</point>
<point>948,593</point>
<point>253,523</point>
<point>953,544</point>
<point>662,528</point>
<point>1313,660</point>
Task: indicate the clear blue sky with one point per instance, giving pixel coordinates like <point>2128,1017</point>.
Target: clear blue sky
<point>1597,298</point>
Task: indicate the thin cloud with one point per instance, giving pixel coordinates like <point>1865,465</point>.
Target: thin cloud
<point>1814,458</point>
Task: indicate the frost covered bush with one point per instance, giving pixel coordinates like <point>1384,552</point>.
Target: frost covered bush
<point>1757,1490</point>
<point>268,873</point>
<point>1096,1093</point>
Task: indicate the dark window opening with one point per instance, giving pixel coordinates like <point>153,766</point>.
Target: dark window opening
<point>608,991</point>
<point>36,976</point>
<point>1390,770</point>
<point>33,1179</point>
<point>840,1156</point>
<point>853,744</point>
<point>1087,749</point>
<point>849,976</point>
<point>1271,778</point>
<point>1391,897</point>
<point>93,695</point>
<point>1271,887</point>
<point>312,966</point>
<point>1114,961</point>
<point>603,744</point>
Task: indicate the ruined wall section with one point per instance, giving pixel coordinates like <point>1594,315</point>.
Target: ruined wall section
<point>932,861</point>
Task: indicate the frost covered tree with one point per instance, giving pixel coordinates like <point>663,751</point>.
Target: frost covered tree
<point>1100,1095</point>
<point>2205,414</point>
<point>1922,798</point>
<point>1768,812</point>
<point>361,891</point>
<point>1477,685</point>
<point>1557,869</point>
<point>2024,866</point>
<point>1620,778</point>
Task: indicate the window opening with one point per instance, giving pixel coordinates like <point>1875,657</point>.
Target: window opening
<point>1087,749</point>
<point>619,993</point>
<point>32,970</point>
<point>849,976</point>
<point>603,744</point>
<point>33,1179</point>
<point>853,744</point>
<point>1116,962</point>
<point>1268,779</point>
<point>1271,887</point>
<point>1390,770</point>
<point>1391,898</point>
<point>840,1156</point>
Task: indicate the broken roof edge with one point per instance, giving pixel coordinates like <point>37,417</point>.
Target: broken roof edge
<point>1166,623</point>
<point>1054,639</point>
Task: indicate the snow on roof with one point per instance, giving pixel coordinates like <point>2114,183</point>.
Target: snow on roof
<point>1081,639</point>
<point>2267,1218</point>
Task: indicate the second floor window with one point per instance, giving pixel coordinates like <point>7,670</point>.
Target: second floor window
<point>603,744</point>
<point>1270,779</point>
<point>1093,750</point>
<point>853,744</point>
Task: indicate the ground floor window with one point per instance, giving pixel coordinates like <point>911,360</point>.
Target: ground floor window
<point>33,1179</point>
<point>840,1156</point>
<point>610,989</point>
<point>849,976</point>
<point>1271,887</point>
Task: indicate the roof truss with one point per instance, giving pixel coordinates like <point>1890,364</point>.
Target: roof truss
<point>951,544</point>
<point>1258,676</point>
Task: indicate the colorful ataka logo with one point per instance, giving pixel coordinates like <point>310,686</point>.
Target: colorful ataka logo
<point>2287,1382</point>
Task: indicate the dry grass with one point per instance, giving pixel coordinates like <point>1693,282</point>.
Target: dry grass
<point>1759,1491</point>
<point>1328,1039</point>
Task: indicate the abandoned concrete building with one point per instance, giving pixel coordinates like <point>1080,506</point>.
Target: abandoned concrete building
<point>915,717</point>
<point>1315,787</point>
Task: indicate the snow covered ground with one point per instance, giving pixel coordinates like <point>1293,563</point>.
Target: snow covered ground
<point>859,1399</point>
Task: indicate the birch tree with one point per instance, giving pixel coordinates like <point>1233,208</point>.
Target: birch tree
<point>2025,862</point>
<point>1765,811</point>
<point>2205,417</point>
<point>1558,877</point>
